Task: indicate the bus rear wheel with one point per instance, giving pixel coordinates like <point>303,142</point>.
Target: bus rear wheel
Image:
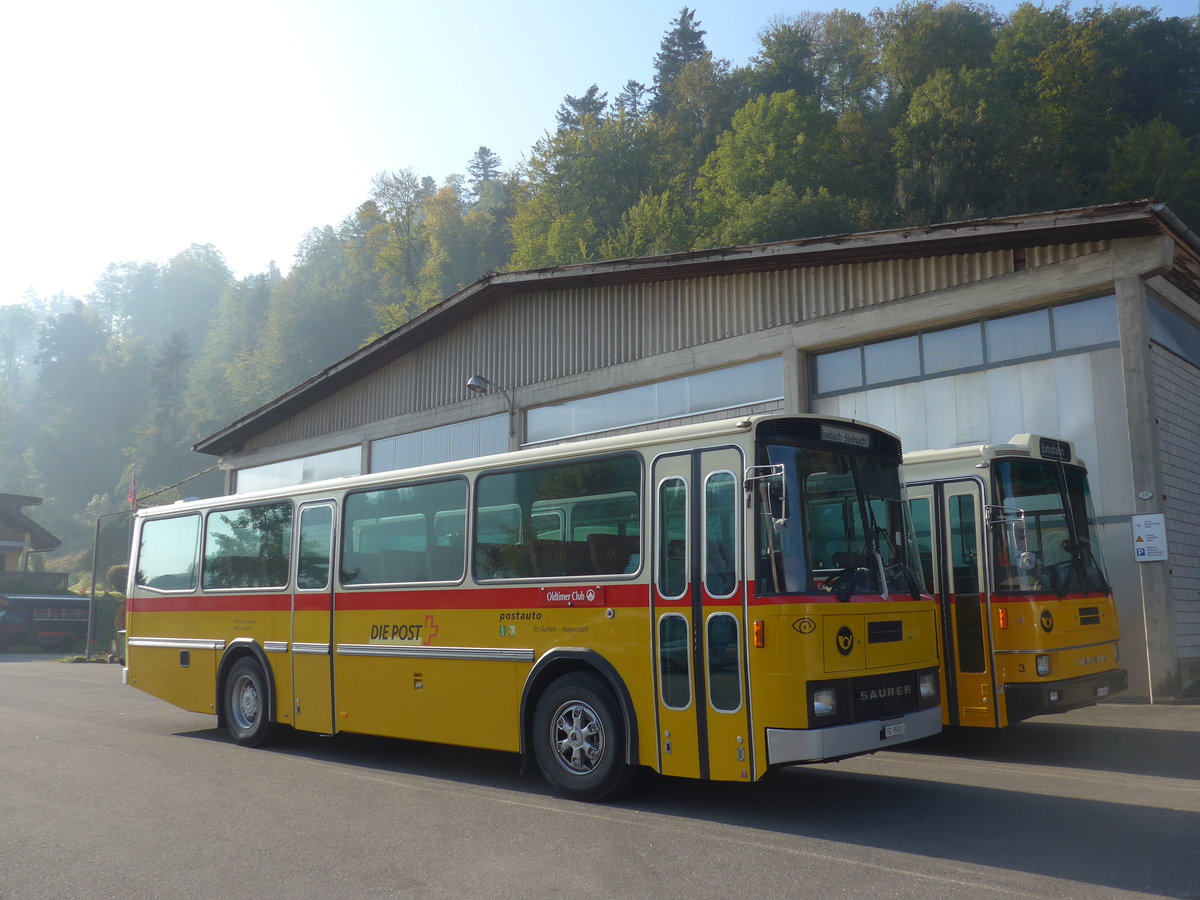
<point>247,716</point>
<point>579,739</point>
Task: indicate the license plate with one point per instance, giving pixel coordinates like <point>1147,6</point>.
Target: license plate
<point>891,731</point>
<point>1102,691</point>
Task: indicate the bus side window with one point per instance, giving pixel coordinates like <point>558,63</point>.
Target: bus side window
<point>537,522</point>
<point>168,555</point>
<point>919,509</point>
<point>248,547</point>
<point>672,575</point>
<point>447,561</point>
<point>720,530</point>
<point>316,535</point>
<point>674,661</point>
<point>614,554</point>
<point>968,613</point>
<point>408,534</point>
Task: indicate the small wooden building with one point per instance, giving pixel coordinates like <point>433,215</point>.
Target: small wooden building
<point>20,537</point>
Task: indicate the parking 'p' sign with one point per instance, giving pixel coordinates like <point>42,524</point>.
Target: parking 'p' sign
<point>1150,537</point>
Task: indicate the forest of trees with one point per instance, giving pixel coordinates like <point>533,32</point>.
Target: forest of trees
<point>925,112</point>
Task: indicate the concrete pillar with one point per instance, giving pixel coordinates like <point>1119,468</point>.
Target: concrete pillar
<point>795,381</point>
<point>1158,603</point>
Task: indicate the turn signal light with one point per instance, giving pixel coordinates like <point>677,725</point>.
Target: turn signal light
<point>760,633</point>
<point>1002,613</point>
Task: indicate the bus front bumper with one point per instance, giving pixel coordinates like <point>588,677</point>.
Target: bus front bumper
<point>1025,700</point>
<point>792,745</point>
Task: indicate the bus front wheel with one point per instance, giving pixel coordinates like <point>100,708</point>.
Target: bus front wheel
<point>247,716</point>
<point>579,739</point>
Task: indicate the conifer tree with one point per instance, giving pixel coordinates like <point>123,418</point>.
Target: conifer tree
<point>631,102</point>
<point>483,166</point>
<point>682,44</point>
<point>575,109</point>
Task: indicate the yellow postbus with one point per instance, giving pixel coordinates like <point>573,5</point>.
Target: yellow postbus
<point>708,601</point>
<point>1009,537</point>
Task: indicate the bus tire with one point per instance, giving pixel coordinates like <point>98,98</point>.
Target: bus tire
<point>247,712</point>
<point>579,739</point>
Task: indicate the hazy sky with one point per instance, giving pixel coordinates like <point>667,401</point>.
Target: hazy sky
<point>135,128</point>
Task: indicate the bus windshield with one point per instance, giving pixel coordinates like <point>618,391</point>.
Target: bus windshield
<point>843,530</point>
<point>1044,533</point>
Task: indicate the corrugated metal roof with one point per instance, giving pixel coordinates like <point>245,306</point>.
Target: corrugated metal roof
<point>1074,226</point>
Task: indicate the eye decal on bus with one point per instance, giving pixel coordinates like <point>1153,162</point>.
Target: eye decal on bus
<point>805,625</point>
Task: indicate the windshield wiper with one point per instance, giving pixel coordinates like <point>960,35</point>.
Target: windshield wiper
<point>850,575</point>
<point>1079,565</point>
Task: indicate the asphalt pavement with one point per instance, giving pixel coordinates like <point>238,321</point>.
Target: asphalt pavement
<point>107,792</point>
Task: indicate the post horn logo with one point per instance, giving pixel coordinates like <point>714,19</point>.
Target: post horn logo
<point>1047,621</point>
<point>845,640</point>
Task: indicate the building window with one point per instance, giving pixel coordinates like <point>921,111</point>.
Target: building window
<point>1072,328</point>
<point>1086,324</point>
<point>1017,337</point>
<point>839,371</point>
<point>704,392</point>
<point>892,360</point>
<point>952,349</point>
<point>462,440</point>
<point>1173,332</point>
<point>302,470</point>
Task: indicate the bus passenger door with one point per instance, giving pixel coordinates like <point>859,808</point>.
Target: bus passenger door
<point>971,656</point>
<point>924,503</point>
<point>699,617</point>
<point>312,620</point>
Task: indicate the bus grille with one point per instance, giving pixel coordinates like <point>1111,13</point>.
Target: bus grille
<point>1089,615</point>
<point>885,632</point>
<point>880,696</point>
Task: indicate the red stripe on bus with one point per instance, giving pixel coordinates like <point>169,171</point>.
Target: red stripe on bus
<point>212,603</point>
<point>1034,598</point>
<point>517,597</point>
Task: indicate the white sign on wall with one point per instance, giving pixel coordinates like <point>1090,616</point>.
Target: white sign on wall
<point>1150,537</point>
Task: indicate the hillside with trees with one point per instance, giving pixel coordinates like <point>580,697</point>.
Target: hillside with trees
<point>921,113</point>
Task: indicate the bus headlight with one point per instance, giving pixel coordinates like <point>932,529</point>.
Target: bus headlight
<point>824,702</point>
<point>1043,664</point>
<point>927,687</point>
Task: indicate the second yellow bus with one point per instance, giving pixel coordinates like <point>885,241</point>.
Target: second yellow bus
<point>1009,540</point>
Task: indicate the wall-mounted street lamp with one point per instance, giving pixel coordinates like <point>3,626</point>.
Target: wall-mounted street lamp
<point>480,385</point>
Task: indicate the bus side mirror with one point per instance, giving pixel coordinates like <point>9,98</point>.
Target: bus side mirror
<point>1013,519</point>
<point>777,503</point>
<point>772,491</point>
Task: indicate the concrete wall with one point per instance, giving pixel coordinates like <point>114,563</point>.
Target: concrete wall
<point>1177,401</point>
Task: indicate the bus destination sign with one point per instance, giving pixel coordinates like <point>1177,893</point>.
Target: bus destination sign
<point>838,435</point>
<point>1052,449</point>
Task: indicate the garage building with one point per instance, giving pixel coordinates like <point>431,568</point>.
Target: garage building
<point>1082,324</point>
